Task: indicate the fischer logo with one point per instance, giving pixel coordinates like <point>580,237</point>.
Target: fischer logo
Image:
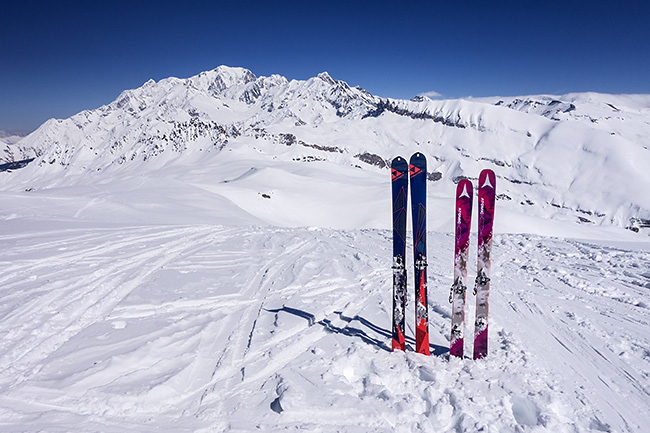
<point>414,171</point>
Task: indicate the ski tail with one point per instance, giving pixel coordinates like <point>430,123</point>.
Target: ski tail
<point>486,201</point>
<point>463,221</point>
<point>399,304</point>
<point>418,180</point>
<point>399,182</point>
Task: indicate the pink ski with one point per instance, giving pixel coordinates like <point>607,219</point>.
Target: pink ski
<point>486,197</point>
<point>463,218</point>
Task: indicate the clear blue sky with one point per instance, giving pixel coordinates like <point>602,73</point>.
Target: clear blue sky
<point>60,57</point>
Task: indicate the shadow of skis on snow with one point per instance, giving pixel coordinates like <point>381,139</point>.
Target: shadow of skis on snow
<point>354,332</point>
<point>346,330</point>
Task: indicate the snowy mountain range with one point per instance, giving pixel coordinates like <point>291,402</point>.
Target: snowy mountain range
<point>577,157</point>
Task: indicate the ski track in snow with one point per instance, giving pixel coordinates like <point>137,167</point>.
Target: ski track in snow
<point>214,328</point>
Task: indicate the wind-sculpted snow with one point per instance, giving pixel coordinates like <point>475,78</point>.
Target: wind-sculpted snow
<point>218,328</point>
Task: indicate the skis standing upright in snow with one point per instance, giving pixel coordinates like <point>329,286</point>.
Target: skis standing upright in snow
<point>399,170</point>
<point>463,218</point>
<point>486,197</point>
<point>418,178</point>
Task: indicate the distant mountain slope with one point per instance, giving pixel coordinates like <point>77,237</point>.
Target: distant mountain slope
<point>579,157</point>
<point>10,152</point>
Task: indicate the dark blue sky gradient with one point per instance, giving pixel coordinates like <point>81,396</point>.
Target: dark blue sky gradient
<point>58,58</point>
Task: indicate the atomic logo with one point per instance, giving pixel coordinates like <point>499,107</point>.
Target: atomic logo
<point>487,183</point>
<point>464,193</point>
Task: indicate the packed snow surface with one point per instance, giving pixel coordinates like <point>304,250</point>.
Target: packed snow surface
<point>214,255</point>
<point>221,328</point>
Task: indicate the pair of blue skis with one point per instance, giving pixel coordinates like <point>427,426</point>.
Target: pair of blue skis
<point>415,172</point>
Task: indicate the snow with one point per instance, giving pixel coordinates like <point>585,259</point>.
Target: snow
<point>585,164</point>
<point>10,152</point>
<point>222,328</point>
<point>238,279</point>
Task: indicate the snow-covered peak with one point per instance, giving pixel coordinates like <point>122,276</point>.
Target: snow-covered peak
<point>327,78</point>
<point>222,78</point>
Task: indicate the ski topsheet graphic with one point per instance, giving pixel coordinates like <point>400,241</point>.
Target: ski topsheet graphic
<point>486,199</point>
<point>399,176</point>
<point>463,219</point>
<point>418,178</point>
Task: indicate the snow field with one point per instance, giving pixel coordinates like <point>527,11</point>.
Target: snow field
<point>218,328</point>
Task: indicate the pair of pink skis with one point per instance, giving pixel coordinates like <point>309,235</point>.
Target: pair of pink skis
<point>463,216</point>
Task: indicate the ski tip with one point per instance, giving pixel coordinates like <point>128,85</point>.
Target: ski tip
<point>418,157</point>
<point>464,189</point>
<point>417,165</point>
<point>487,179</point>
<point>398,162</point>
